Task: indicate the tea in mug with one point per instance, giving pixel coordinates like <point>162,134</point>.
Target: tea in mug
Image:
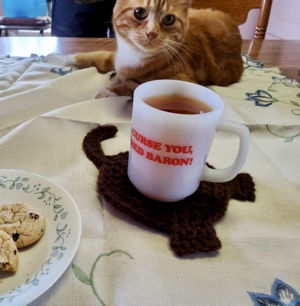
<point>178,104</point>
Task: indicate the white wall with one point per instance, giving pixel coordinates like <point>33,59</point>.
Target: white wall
<point>248,28</point>
<point>284,21</point>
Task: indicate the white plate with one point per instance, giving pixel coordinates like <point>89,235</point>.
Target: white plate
<point>41,264</point>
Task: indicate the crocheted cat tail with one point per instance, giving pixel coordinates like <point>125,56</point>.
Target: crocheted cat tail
<point>93,151</point>
<point>189,223</point>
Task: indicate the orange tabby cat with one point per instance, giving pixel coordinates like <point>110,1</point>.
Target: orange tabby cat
<point>166,39</point>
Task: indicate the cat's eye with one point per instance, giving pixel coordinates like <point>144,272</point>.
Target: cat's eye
<point>140,13</point>
<point>168,20</point>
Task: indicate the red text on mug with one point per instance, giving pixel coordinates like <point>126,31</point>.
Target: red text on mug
<point>137,139</point>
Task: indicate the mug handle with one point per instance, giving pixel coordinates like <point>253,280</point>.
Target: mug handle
<point>227,174</point>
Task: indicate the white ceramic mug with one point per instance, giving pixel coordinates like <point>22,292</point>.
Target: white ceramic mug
<point>167,158</point>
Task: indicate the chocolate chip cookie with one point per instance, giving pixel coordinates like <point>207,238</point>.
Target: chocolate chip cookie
<point>9,255</point>
<point>23,224</point>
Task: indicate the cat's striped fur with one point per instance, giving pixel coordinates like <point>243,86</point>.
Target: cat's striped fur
<point>166,39</point>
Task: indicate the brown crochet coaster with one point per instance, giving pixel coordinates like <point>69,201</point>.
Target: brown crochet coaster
<point>189,222</point>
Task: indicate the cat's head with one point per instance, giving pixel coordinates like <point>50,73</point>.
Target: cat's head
<point>151,25</point>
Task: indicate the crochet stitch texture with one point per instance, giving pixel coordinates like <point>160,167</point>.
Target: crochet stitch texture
<point>189,222</point>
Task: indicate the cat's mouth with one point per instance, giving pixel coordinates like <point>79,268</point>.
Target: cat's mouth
<point>143,44</point>
<point>149,46</point>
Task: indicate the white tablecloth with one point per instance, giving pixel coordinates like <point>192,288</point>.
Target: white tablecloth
<point>45,112</point>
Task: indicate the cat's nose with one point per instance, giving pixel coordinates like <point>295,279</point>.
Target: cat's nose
<point>151,35</point>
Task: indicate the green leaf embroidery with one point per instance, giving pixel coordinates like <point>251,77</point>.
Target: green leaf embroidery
<point>81,276</point>
<point>287,139</point>
<point>295,103</point>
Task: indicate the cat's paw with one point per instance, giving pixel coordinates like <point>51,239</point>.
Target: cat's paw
<point>104,93</point>
<point>70,60</point>
<point>110,81</point>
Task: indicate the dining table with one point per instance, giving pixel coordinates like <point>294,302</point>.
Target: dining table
<point>64,153</point>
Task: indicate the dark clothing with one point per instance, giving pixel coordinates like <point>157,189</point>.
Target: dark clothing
<point>70,19</point>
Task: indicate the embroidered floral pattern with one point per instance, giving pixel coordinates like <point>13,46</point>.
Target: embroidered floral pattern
<point>89,279</point>
<point>38,59</point>
<point>256,67</point>
<point>267,97</point>
<point>281,295</point>
<point>261,98</point>
<point>249,63</point>
<point>288,136</point>
<point>264,98</point>
<point>62,70</point>
<point>287,82</point>
<point>6,62</point>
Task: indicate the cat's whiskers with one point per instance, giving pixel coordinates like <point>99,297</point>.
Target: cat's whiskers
<point>133,41</point>
<point>201,46</point>
<point>169,58</point>
<point>127,39</point>
<point>187,48</point>
<point>190,54</point>
<point>174,50</point>
<point>171,55</point>
<point>109,44</point>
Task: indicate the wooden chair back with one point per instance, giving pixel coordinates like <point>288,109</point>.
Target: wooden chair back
<point>239,9</point>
